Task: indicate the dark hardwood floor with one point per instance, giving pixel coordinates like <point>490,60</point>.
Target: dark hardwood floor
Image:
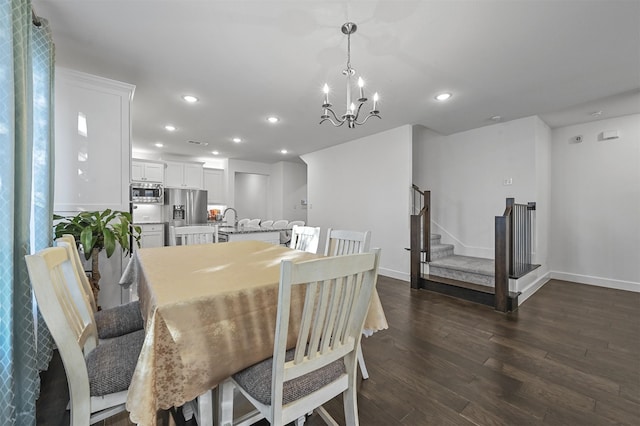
<point>569,356</point>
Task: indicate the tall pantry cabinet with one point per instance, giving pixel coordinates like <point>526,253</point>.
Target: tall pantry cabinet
<point>92,156</point>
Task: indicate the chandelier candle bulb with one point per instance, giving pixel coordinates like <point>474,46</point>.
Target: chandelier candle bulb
<point>375,101</point>
<point>361,86</point>
<point>325,89</point>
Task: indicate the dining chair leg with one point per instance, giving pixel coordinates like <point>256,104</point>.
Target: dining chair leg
<point>350,406</point>
<point>363,366</point>
<point>205,409</point>
<point>225,403</point>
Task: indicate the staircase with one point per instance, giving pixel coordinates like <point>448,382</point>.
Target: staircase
<point>479,280</point>
<point>465,277</point>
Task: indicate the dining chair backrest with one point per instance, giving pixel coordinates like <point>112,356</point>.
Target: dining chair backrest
<point>243,222</point>
<point>293,223</point>
<point>253,222</point>
<point>341,242</point>
<point>69,242</point>
<point>337,291</point>
<point>280,224</point>
<point>55,282</point>
<point>95,392</point>
<point>189,235</point>
<point>266,223</point>
<point>305,238</point>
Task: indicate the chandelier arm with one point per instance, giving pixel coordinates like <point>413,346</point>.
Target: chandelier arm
<point>357,112</point>
<point>367,117</point>
<point>332,122</point>
<point>334,115</point>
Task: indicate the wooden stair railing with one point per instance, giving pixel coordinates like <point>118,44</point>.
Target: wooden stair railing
<point>420,241</point>
<point>513,248</point>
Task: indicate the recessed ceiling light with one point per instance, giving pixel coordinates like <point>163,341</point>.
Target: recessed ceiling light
<point>215,152</point>
<point>170,127</point>
<point>496,118</point>
<point>159,145</point>
<point>596,113</point>
<point>273,119</point>
<point>189,98</point>
<point>237,140</point>
<point>283,151</point>
<point>443,96</point>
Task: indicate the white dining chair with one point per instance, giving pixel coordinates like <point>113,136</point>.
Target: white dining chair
<point>253,222</point>
<point>341,242</point>
<point>266,223</point>
<point>305,238</point>
<point>189,235</point>
<point>280,224</point>
<point>98,373</point>
<point>112,322</point>
<point>293,223</point>
<point>285,236</point>
<point>322,364</point>
<point>243,222</point>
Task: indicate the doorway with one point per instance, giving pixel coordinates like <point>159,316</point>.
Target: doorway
<point>251,190</point>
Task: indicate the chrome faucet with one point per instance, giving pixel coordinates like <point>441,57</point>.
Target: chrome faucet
<point>224,214</point>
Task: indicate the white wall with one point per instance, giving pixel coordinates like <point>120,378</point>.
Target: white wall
<point>251,195</point>
<point>595,195</point>
<point>465,173</point>
<point>364,185</point>
<point>240,166</point>
<point>294,184</point>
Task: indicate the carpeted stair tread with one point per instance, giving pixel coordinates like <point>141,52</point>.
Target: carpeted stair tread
<point>475,270</point>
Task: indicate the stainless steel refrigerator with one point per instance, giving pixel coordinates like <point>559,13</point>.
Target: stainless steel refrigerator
<point>183,207</point>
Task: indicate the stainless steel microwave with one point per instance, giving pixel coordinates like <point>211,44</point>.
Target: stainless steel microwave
<point>147,193</point>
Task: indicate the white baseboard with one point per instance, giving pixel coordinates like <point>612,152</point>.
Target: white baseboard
<point>597,281</point>
<point>398,275</point>
<point>532,287</point>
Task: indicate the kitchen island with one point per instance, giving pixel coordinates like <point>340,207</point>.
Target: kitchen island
<point>243,233</point>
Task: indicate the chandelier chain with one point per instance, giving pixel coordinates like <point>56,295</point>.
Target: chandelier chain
<point>348,51</point>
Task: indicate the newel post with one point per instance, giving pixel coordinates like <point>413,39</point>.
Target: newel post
<point>415,251</point>
<point>501,263</point>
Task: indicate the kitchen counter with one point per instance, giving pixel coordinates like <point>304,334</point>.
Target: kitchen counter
<point>242,233</point>
<point>245,229</point>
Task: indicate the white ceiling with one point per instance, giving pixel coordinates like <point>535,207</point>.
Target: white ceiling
<point>246,60</point>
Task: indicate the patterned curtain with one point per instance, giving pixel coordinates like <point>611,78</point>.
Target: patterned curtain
<point>21,222</point>
<point>42,55</point>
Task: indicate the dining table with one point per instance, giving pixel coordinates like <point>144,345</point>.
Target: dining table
<point>209,311</point>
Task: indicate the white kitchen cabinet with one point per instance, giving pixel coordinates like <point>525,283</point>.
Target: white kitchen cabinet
<point>93,156</point>
<point>151,235</point>
<point>183,175</point>
<point>92,142</point>
<point>143,171</point>
<point>214,184</point>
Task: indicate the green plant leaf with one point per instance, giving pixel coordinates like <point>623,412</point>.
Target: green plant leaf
<point>87,239</point>
<point>109,241</point>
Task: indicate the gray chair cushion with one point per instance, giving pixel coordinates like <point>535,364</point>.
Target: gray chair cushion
<point>119,320</point>
<point>256,380</point>
<point>110,365</point>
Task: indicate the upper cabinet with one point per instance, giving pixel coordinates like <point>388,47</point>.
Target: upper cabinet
<point>144,171</point>
<point>92,142</point>
<point>214,184</point>
<point>183,175</point>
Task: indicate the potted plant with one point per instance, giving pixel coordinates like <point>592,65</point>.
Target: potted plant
<point>97,231</point>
